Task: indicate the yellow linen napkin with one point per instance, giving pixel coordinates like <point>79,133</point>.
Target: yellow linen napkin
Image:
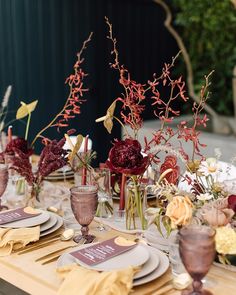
<point>79,280</point>
<point>13,239</point>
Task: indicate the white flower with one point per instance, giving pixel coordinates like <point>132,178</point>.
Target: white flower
<point>205,197</point>
<point>210,166</point>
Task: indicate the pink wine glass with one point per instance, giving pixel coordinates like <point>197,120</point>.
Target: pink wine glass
<point>84,201</point>
<point>197,251</point>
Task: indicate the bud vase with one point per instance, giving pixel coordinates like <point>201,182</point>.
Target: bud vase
<point>18,193</point>
<point>135,204</point>
<point>33,196</point>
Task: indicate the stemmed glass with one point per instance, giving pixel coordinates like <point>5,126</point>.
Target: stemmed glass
<point>84,200</point>
<point>3,182</point>
<point>102,178</point>
<point>197,251</point>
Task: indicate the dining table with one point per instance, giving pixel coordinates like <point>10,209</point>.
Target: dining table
<point>37,279</point>
<point>24,272</point>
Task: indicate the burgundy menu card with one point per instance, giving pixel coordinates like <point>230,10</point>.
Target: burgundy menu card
<point>103,251</point>
<point>17,214</point>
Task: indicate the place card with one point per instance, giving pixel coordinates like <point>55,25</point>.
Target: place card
<point>103,251</point>
<point>17,214</point>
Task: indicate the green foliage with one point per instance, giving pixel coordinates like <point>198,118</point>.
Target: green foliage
<point>208,29</point>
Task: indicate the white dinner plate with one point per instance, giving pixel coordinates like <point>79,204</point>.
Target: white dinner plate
<point>59,224</point>
<point>159,271</point>
<point>49,223</point>
<point>61,174</point>
<point>148,267</point>
<point>59,177</point>
<point>135,257</point>
<point>28,222</point>
<point>65,169</point>
<point>67,259</point>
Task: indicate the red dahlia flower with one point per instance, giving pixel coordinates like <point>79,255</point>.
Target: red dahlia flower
<point>125,157</point>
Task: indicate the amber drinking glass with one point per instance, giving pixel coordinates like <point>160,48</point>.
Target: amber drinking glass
<point>84,201</point>
<point>3,182</point>
<point>197,251</point>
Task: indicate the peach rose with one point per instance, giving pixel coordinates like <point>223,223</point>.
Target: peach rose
<point>180,211</point>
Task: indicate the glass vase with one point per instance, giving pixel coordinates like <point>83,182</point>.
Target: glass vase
<point>33,196</point>
<point>135,205</point>
<point>17,191</point>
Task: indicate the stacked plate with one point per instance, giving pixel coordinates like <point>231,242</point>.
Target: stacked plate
<point>48,222</point>
<point>153,263</point>
<point>61,174</point>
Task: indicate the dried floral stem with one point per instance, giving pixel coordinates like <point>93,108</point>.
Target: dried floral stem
<point>204,95</point>
<point>167,108</point>
<point>64,111</point>
<point>114,41</point>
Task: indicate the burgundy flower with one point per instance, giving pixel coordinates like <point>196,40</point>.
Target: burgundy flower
<point>52,158</point>
<point>232,202</point>
<point>21,164</point>
<point>19,144</point>
<point>125,157</point>
<point>171,162</point>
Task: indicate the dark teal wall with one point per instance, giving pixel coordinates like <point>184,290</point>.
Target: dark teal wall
<point>40,38</point>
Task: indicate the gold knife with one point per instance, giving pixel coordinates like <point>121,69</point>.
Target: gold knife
<point>51,259</point>
<point>54,252</point>
<point>58,255</point>
<point>36,247</point>
<point>55,257</point>
<point>37,243</point>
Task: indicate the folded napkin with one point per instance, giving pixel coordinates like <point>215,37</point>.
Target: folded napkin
<point>79,280</point>
<point>14,239</point>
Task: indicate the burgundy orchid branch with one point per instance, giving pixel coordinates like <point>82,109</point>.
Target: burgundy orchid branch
<point>190,133</point>
<point>74,99</point>
<point>134,95</point>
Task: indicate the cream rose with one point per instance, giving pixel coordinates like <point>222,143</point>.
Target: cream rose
<point>180,211</point>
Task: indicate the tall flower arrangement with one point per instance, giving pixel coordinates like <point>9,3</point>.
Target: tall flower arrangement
<point>125,156</point>
<point>52,157</point>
